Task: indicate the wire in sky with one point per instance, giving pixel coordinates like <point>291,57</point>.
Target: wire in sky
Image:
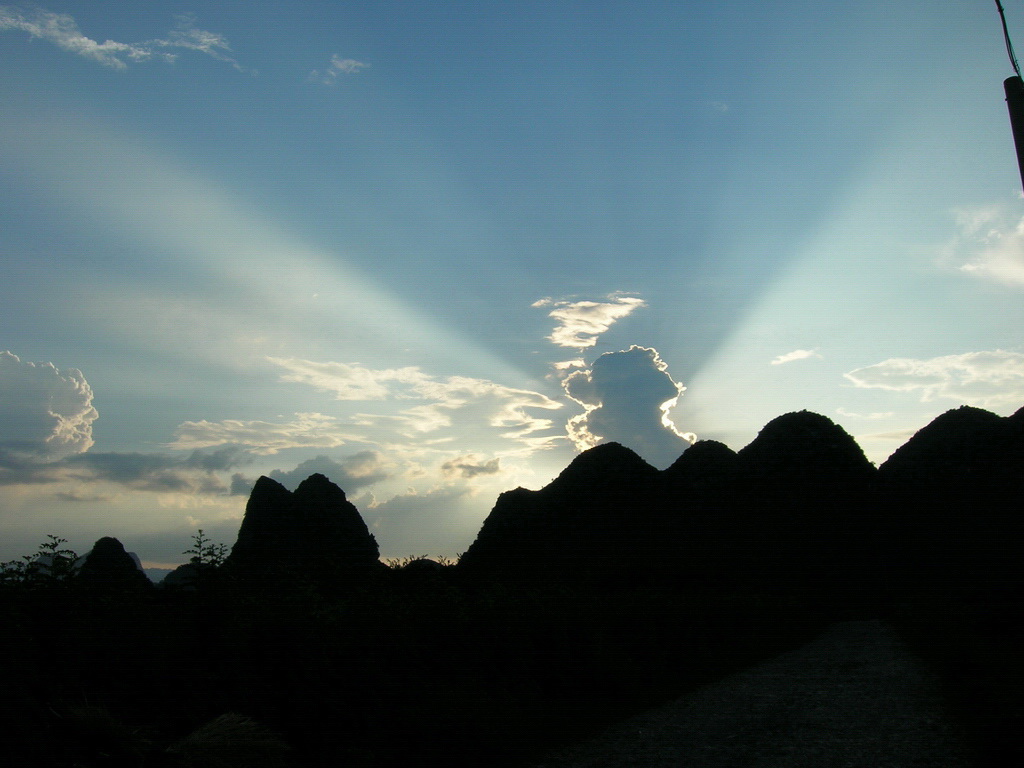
<point>1006,37</point>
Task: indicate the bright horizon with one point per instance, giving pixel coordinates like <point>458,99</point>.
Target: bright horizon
<point>432,250</point>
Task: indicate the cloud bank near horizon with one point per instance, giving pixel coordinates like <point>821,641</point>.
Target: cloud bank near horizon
<point>986,379</point>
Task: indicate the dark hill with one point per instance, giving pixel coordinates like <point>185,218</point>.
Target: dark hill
<point>314,532</point>
<point>705,464</point>
<point>589,519</point>
<point>110,568</point>
<point>954,491</point>
<point>956,445</point>
<point>804,446</point>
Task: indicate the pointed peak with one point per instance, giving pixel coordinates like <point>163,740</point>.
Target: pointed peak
<point>267,485</point>
<point>319,485</point>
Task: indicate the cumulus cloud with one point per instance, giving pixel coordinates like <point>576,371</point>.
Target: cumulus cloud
<point>985,379</point>
<point>989,244</point>
<point>628,396</point>
<point>337,66</point>
<point>45,413</point>
<point>307,430</point>
<point>796,354</point>
<point>351,473</point>
<point>581,322</point>
<point>62,30</point>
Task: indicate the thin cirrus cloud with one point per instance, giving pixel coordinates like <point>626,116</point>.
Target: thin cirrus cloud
<point>265,438</point>
<point>581,322</point>
<point>439,398</point>
<point>989,244</point>
<point>336,68</point>
<point>62,30</point>
<point>796,354</point>
<point>986,379</point>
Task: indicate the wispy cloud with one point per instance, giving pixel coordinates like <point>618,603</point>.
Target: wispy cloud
<point>985,379</point>
<point>62,30</point>
<point>796,354</point>
<point>872,416</point>
<point>439,398</point>
<point>348,381</point>
<point>337,67</point>
<point>265,438</point>
<point>581,322</point>
<point>989,244</point>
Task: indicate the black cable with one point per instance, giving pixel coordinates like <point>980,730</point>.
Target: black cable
<point>1006,37</point>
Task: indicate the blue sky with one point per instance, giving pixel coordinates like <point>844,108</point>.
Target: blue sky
<point>433,249</point>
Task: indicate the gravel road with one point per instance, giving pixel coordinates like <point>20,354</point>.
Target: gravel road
<point>853,698</point>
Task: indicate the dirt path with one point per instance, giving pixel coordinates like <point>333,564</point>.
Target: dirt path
<point>853,698</point>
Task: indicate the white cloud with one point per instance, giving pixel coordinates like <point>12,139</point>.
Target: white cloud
<point>441,400</point>
<point>337,66</point>
<point>796,354</point>
<point>873,416</point>
<point>307,430</point>
<point>581,322</point>
<point>628,396</point>
<point>983,379</point>
<point>348,381</point>
<point>62,30</point>
<point>989,244</point>
<point>45,413</point>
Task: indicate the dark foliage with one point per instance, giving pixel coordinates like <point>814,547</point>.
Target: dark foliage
<point>614,587</point>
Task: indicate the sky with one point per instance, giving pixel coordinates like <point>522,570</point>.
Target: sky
<point>435,249</point>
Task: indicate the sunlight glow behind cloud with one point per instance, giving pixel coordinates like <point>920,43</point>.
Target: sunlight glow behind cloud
<point>627,396</point>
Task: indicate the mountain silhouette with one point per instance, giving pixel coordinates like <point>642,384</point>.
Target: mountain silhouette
<point>581,524</point>
<point>954,491</point>
<point>109,567</point>
<point>781,513</point>
<point>314,532</point>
